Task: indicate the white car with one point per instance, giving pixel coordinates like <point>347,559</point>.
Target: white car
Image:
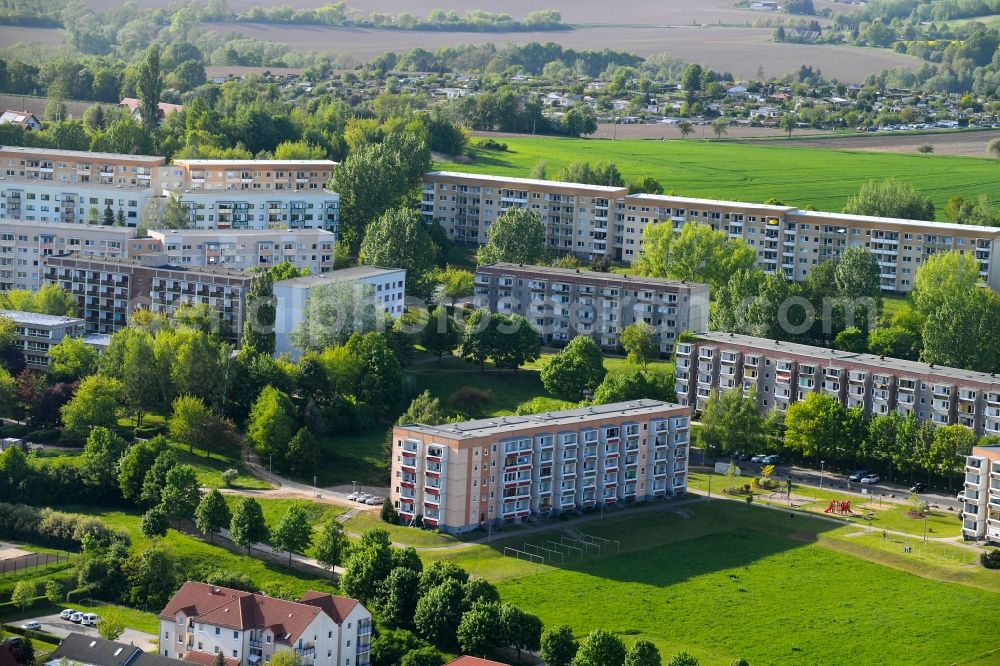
<point>90,619</point>
<point>870,478</point>
<point>353,496</point>
<point>372,501</point>
<point>31,626</point>
<point>67,614</point>
<point>76,617</point>
<point>362,497</point>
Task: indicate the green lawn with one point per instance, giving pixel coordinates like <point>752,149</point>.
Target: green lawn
<point>211,467</point>
<point>733,581</point>
<point>274,509</point>
<point>403,536</point>
<point>800,177</point>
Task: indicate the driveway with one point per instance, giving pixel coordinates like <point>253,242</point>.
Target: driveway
<point>55,625</point>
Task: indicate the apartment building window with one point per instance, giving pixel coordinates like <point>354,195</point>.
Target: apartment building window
<point>218,631</point>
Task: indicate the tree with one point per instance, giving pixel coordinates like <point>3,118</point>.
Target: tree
<point>112,624</point>
<point>440,336</point>
<point>643,653</point>
<point>175,214</point>
<point>513,343</point>
<point>941,274</point>
<point>293,533</point>
<point>139,375</point>
<point>367,565</point>
<point>425,656</point>
<point>697,254</point>
<point>156,477</point>
<point>149,86</point>
<point>188,421</point>
<point>334,312</point>
<point>890,198</point>
<point>720,128</point>
<point>788,122</point>
<point>24,594</point>
<point>683,659</point>
<point>454,283</point>
<point>99,464</point>
<point>181,494</point>
<point>578,368</point>
<point>154,523</point>
<point>54,591</point>
<point>303,452</point>
<point>95,404</point>
<point>579,121</point>
<point>558,647</point>
<point>332,544</point>
<point>685,128</point>
<point>645,185</point>
<point>521,631</point>
<point>639,342</point>
<point>439,612</point>
<point>399,239</point>
<point>399,596</point>
<point>272,423</point>
<point>72,359</point>
<point>480,630</point>
<point>851,339</point>
<point>993,147</point>
<point>258,327</point>
<point>731,422</point>
<point>109,216</point>
<point>285,658</point>
<point>964,332</point>
<point>816,425</point>
<point>517,236</point>
<point>247,526</point>
<point>600,648</point>
<point>388,513</point>
<point>212,514</point>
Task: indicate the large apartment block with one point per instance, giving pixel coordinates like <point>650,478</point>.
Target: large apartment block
<point>460,476</point>
<point>24,247</point>
<point>563,303</point>
<point>35,334</point>
<point>203,621</point>
<point>252,248</point>
<point>784,372</point>
<point>591,220</point>
<point>45,185</point>
<point>981,513</point>
<point>108,291</point>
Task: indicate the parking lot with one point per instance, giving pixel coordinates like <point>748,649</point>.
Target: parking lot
<point>55,625</point>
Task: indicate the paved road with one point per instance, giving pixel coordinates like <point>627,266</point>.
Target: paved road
<point>57,626</point>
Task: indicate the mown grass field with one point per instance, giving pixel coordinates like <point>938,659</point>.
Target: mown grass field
<point>800,177</point>
<point>733,581</point>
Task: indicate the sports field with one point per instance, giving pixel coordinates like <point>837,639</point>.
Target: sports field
<point>802,177</point>
<point>730,581</point>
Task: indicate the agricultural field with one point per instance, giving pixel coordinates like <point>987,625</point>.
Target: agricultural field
<point>803,592</point>
<point>961,143</point>
<point>824,179</point>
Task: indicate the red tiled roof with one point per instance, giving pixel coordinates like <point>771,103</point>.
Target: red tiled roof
<point>474,661</point>
<point>223,607</point>
<point>338,608</point>
<point>206,659</point>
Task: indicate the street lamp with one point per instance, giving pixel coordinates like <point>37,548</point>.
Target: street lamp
<point>926,511</point>
<point>270,471</point>
<point>822,463</point>
<point>354,485</point>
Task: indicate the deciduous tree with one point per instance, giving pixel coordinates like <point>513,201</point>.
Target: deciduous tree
<point>516,236</point>
<point>212,514</point>
<point>293,533</point>
<point>247,526</point>
<point>579,367</point>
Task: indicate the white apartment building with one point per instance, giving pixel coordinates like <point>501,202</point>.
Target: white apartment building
<point>561,303</point>
<point>203,620</point>
<point>784,372</point>
<point>24,247</point>
<point>385,287</point>
<point>981,513</point>
<point>248,248</point>
<point>460,476</point>
<point>47,185</point>
<point>591,220</point>
<point>35,334</point>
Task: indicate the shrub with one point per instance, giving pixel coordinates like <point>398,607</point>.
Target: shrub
<point>43,435</point>
<point>229,476</point>
<point>925,149</point>
<point>389,514</point>
<point>990,558</point>
<point>470,399</point>
<point>149,431</point>
<point>491,144</point>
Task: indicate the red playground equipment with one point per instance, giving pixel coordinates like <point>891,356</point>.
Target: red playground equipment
<point>838,506</point>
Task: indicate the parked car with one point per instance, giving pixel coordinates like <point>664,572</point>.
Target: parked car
<point>373,500</point>
<point>771,459</point>
<point>67,614</point>
<point>960,497</point>
<point>858,475</point>
<point>76,617</point>
<point>90,619</point>
<point>31,626</point>
<point>363,497</point>
<point>758,458</point>
<point>918,488</point>
<point>353,496</point>
<point>870,478</point>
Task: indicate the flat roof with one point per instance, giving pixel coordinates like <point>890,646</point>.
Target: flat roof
<point>22,317</point>
<point>240,233</point>
<point>920,224</point>
<point>258,163</point>
<point>509,424</point>
<point>896,366</point>
<point>594,275</point>
<point>528,181</point>
<point>138,262</point>
<point>81,154</point>
<point>695,201</point>
<point>40,227</point>
<point>353,273</point>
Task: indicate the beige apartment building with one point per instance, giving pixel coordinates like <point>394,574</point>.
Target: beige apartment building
<point>783,372</point>
<point>590,221</point>
<point>248,248</point>
<point>24,247</point>
<point>460,476</point>
<point>35,334</point>
<point>981,513</point>
<point>562,303</point>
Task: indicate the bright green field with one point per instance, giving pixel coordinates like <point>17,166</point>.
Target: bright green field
<point>733,581</point>
<point>797,176</point>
